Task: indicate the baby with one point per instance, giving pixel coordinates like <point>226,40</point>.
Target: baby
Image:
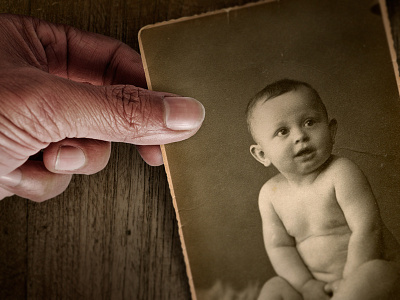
<point>321,224</point>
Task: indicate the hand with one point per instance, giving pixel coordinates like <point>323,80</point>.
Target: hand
<point>332,287</point>
<point>314,290</point>
<point>70,93</point>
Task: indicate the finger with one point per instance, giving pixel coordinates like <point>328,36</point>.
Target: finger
<point>16,144</point>
<point>4,193</point>
<point>151,154</point>
<point>88,57</point>
<point>96,59</point>
<point>57,108</point>
<point>77,156</point>
<point>139,116</point>
<point>51,108</point>
<point>33,181</point>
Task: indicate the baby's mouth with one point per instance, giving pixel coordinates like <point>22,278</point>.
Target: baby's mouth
<point>304,151</point>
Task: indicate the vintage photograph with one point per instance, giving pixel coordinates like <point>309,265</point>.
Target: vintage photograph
<point>292,185</point>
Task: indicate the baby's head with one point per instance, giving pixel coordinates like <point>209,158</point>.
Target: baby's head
<point>290,125</point>
<point>276,89</point>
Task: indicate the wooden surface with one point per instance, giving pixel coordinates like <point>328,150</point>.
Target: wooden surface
<point>112,235</point>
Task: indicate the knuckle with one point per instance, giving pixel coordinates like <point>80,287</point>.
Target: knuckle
<point>46,190</point>
<point>38,184</point>
<point>25,101</point>
<point>38,193</point>
<point>5,193</point>
<point>135,110</point>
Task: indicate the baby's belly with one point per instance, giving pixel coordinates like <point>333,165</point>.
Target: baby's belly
<point>325,255</point>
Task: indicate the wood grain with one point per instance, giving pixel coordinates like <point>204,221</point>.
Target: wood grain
<point>112,235</point>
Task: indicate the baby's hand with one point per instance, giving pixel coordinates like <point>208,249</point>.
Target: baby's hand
<point>314,290</point>
<point>332,287</point>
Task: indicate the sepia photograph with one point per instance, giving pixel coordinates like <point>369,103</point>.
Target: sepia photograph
<point>291,187</point>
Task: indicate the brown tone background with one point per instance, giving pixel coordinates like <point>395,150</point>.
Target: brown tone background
<point>339,47</point>
<point>112,235</point>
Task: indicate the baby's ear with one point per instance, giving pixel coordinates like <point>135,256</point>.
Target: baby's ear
<point>259,155</point>
<point>333,128</point>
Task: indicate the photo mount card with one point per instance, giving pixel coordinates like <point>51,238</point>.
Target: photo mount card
<point>343,49</point>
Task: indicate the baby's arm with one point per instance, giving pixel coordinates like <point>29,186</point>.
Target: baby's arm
<point>282,252</point>
<point>358,204</point>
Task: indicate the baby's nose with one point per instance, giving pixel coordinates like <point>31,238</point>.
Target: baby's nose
<point>300,136</point>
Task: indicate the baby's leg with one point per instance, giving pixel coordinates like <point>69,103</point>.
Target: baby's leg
<point>278,288</point>
<point>376,279</point>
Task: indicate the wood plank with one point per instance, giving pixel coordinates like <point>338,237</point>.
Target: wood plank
<point>13,241</point>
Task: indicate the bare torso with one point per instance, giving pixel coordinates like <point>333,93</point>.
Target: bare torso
<point>313,217</point>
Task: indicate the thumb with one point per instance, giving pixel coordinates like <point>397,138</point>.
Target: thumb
<point>121,113</point>
<point>143,117</point>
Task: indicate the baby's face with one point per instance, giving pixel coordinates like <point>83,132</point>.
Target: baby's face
<point>292,132</point>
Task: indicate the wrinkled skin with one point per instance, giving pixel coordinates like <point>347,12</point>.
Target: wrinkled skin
<point>59,87</point>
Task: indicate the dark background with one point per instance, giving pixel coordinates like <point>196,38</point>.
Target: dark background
<point>112,235</point>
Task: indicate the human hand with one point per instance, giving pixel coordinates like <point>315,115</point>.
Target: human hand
<point>71,93</point>
<point>314,290</point>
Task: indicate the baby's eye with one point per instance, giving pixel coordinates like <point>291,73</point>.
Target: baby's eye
<point>282,132</point>
<point>309,123</point>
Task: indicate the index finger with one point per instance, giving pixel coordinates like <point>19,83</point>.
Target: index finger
<point>88,57</point>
